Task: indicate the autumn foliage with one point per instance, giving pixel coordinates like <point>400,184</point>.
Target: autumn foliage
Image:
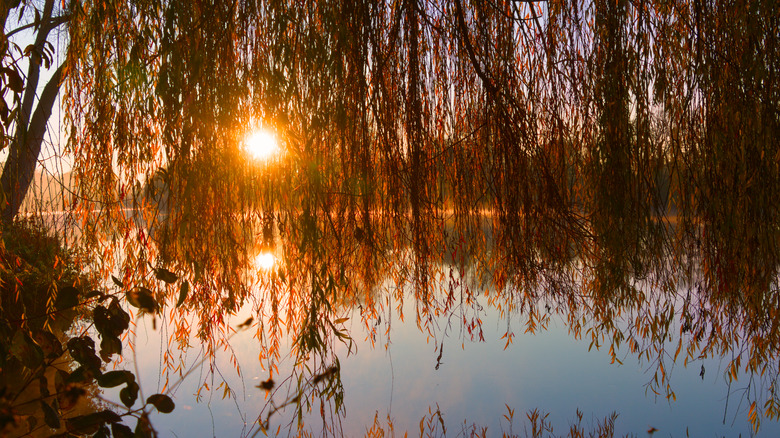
<point>612,162</point>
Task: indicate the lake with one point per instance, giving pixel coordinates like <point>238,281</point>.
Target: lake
<point>361,336</point>
<point>446,365</point>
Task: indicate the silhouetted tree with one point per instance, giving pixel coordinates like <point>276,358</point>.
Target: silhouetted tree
<point>25,121</point>
<point>567,127</point>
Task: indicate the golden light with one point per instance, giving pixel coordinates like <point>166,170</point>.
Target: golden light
<point>261,144</point>
<point>265,261</point>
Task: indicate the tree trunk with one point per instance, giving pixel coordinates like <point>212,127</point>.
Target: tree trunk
<point>30,126</point>
<point>23,153</point>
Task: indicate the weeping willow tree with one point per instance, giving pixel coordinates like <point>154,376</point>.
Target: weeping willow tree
<point>617,161</point>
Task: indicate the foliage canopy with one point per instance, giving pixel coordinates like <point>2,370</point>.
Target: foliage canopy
<point>572,148</point>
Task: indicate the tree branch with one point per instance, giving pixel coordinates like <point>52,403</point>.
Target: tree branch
<point>23,154</point>
<point>470,49</point>
<point>52,24</point>
<point>33,75</point>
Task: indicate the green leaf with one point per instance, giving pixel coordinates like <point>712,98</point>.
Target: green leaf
<point>162,402</point>
<point>165,275</point>
<point>143,299</point>
<point>11,117</point>
<point>112,379</point>
<point>50,416</point>
<point>80,426</point>
<point>183,292</point>
<point>26,350</point>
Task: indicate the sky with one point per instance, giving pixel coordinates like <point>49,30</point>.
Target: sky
<point>475,384</point>
<point>56,137</point>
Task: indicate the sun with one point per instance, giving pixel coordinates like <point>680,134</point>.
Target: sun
<point>261,144</point>
<point>265,261</point>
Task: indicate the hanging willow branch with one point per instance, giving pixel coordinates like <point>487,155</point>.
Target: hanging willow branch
<point>575,145</point>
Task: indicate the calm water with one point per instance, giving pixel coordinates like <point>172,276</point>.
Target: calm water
<point>473,385</point>
<point>402,371</point>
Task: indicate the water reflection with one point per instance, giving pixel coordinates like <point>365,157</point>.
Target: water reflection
<point>463,370</point>
<point>462,330</point>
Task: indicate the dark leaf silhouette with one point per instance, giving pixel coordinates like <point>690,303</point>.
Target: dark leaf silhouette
<point>184,290</point>
<point>143,299</point>
<point>589,161</point>
<point>82,350</point>
<point>117,282</point>
<point>162,402</point>
<point>15,82</point>
<point>111,321</point>
<point>129,394</point>
<point>246,324</point>
<point>69,395</point>
<point>165,275</point>
<point>112,379</point>
<point>110,346</point>
<point>120,430</point>
<point>89,424</point>
<point>103,432</point>
<point>143,427</point>
<point>26,350</point>
<point>67,298</point>
<point>50,416</point>
<point>267,385</point>
<point>50,345</point>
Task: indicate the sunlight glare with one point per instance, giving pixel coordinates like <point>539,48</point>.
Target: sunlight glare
<point>265,261</point>
<point>261,144</point>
